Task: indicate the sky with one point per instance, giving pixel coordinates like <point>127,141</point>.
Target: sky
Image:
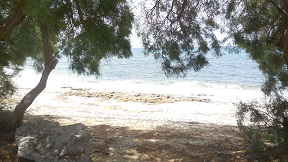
<point>135,41</point>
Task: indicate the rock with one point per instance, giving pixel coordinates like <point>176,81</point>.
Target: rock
<point>36,155</point>
<point>56,159</point>
<point>25,146</point>
<point>41,132</point>
<point>56,152</point>
<point>138,94</point>
<point>48,145</point>
<point>39,147</point>
<point>83,158</point>
<point>62,152</point>
<point>56,143</point>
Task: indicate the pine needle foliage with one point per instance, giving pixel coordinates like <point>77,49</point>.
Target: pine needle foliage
<point>259,27</point>
<point>7,89</point>
<point>264,124</point>
<point>180,33</point>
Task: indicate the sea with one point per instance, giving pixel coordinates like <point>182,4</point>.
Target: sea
<point>228,78</point>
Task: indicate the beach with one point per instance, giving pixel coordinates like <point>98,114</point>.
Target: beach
<point>130,108</point>
<point>137,114</point>
<point>130,126</point>
<point>136,89</point>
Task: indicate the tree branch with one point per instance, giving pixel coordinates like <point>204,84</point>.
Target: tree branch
<point>282,11</point>
<point>46,45</point>
<point>13,20</point>
<point>171,8</point>
<point>78,7</point>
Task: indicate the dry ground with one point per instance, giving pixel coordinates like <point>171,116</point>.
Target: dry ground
<point>177,142</point>
<point>174,142</point>
<point>121,134</point>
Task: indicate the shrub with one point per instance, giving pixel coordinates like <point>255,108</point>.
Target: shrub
<point>7,89</point>
<point>5,116</point>
<point>264,124</point>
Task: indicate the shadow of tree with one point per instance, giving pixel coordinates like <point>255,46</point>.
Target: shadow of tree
<point>172,142</point>
<point>195,142</point>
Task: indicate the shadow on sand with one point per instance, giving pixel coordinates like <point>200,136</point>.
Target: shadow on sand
<point>173,142</point>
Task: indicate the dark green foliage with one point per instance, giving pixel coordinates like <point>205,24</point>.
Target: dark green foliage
<point>102,31</point>
<point>6,85</point>
<point>6,90</point>
<point>86,31</point>
<point>180,33</point>
<point>5,116</point>
<point>258,26</point>
<point>264,123</point>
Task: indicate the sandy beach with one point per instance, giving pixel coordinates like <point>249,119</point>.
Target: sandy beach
<point>129,108</point>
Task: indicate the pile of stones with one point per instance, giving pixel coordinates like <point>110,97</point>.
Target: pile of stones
<point>42,140</point>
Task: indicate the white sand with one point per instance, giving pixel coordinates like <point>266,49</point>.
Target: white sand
<point>55,100</point>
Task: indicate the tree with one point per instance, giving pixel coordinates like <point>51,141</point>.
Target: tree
<point>86,31</point>
<point>10,59</point>
<point>260,27</point>
<point>180,33</point>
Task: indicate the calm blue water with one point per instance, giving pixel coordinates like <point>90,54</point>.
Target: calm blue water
<point>229,70</point>
<point>229,75</point>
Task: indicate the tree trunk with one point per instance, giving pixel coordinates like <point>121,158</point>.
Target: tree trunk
<point>28,99</point>
<point>50,63</point>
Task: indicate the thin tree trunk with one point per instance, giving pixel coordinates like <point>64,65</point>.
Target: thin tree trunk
<point>50,63</point>
<point>19,111</point>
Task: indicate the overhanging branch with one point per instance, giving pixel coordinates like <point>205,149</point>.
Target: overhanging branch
<point>282,11</point>
<point>13,20</point>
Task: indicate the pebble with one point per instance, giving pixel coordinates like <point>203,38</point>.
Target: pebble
<point>36,155</point>
<point>48,145</point>
<point>39,147</point>
<point>41,132</point>
<point>42,156</point>
<point>62,152</point>
<point>48,140</point>
<point>56,158</point>
<point>56,151</point>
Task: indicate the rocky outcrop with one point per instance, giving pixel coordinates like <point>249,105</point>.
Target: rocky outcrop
<point>46,141</point>
<point>132,97</point>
